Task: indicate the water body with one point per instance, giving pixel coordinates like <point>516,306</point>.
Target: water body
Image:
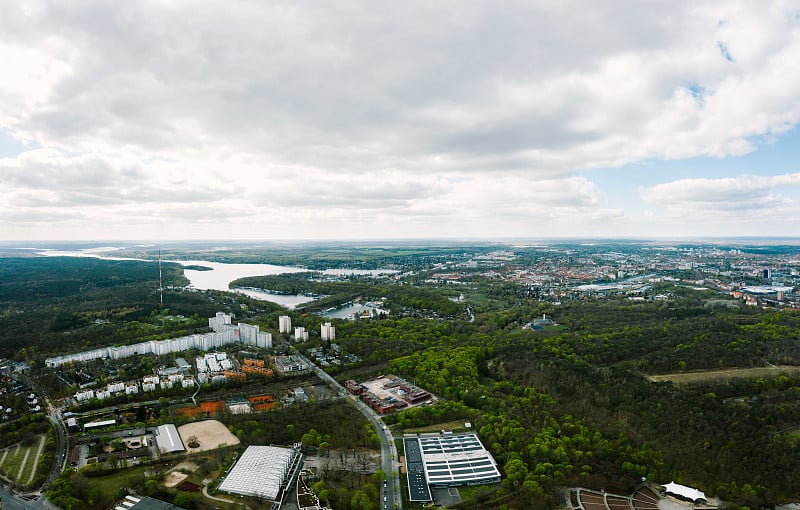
<point>288,300</point>
<point>350,311</point>
<point>219,275</point>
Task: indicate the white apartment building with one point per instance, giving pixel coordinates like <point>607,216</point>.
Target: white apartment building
<point>328,331</point>
<point>300,334</point>
<point>284,324</point>
<point>83,396</point>
<point>218,322</point>
<point>116,387</point>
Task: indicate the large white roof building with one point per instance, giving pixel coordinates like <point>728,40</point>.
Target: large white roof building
<point>260,472</point>
<point>457,459</point>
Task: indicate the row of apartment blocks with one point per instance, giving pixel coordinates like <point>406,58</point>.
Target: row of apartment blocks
<point>149,383</point>
<point>223,333</point>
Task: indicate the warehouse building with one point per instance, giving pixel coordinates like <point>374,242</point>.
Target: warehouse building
<point>448,460</point>
<point>168,439</point>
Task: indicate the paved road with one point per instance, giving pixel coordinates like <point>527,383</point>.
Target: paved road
<point>389,460</point>
<point>12,501</point>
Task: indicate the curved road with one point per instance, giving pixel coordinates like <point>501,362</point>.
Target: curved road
<point>389,460</point>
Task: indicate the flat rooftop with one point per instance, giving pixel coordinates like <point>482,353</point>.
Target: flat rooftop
<point>456,459</point>
<point>387,388</point>
<point>418,489</point>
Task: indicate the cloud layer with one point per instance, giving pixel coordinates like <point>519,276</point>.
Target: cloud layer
<point>380,119</point>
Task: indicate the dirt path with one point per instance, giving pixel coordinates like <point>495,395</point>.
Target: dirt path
<point>22,465</point>
<point>36,460</point>
<point>5,454</point>
<point>209,496</point>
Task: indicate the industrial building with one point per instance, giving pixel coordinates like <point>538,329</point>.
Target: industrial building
<point>447,460</point>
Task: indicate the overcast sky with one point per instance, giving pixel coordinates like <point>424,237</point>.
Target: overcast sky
<point>341,120</point>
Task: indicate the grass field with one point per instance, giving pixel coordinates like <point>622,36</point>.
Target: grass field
<point>18,463</point>
<point>457,425</point>
<point>721,375</point>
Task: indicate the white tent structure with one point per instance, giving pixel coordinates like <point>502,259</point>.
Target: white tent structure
<point>682,491</point>
<point>259,472</point>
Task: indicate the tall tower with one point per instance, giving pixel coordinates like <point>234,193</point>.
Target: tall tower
<point>160,280</point>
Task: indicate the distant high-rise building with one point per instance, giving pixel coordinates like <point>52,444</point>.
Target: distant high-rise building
<point>285,324</point>
<point>300,334</point>
<point>328,332</point>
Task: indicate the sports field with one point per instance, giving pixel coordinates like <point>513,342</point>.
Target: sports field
<point>721,375</point>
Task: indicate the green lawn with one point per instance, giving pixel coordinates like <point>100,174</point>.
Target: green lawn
<point>455,425</point>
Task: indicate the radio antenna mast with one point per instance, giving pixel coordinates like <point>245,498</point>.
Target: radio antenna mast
<point>160,280</point>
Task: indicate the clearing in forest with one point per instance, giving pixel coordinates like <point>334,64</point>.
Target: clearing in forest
<point>722,375</point>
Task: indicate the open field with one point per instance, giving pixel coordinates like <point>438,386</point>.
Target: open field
<point>455,425</point>
<point>210,434</point>
<point>721,375</point>
<point>19,462</point>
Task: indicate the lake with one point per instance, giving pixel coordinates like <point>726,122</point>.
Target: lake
<point>349,311</point>
<point>288,300</point>
<point>222,274</point>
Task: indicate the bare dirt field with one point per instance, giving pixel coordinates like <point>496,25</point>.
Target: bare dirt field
<point>721,375</point>
<point>173,478</point>
<point>179,473</point>
<point>210,434</point>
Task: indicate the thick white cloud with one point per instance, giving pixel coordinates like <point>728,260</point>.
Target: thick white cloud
<point>374,119</point>
<point>764,205</point>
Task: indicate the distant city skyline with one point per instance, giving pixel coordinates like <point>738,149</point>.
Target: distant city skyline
<point>384,120</point>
